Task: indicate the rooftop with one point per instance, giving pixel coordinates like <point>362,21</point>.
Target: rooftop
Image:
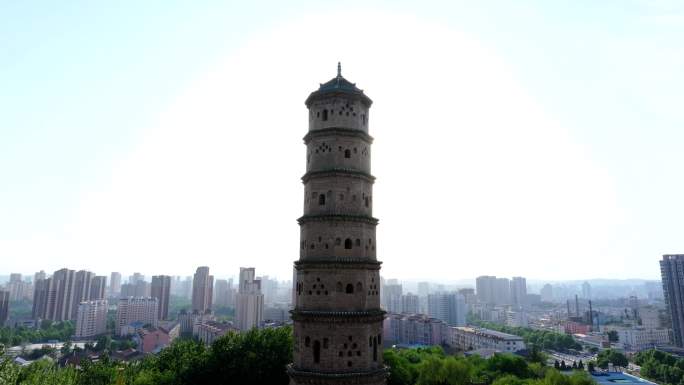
<point>614,378</point>
<point>489,333</point>
<point>338,86</point>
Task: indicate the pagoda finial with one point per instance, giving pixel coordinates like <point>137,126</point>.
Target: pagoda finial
<point>339,69</point>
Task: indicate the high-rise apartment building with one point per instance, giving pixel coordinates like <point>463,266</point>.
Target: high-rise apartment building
<point>337,317</point>
<point>202,290</point>
<point>269,288</point>
<point>82,283</point>
<point>391,297</point>
<point>249,310</point>
<point>98,287</point>
<point>672,274</point>
<point>410,304</point>
<point>61,295</point>
<point>115,284</point>
<point>224,293</point>
<point>586,290</point>
<point>91,319</point>
<point>40,296</point>
<point>136,277</point>
<point>39,275</point>
<point>519,292</point>
<point>130,311</point>
<point>19,290</point>
<point>485,287</point>
<point>4,306</point>
<point>502,291</point>
<point>448,307</point>
<point>546,293</point>
<point>161,290</point>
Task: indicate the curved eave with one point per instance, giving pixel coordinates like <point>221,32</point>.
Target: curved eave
<point>338,92</point>
<point>338,172</point>
<point>338,316</point>
<point>337,218</point>
<point>338,131</point>
<point>347,263</point>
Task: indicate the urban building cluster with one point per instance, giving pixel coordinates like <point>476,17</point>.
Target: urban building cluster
<point>139,307</point>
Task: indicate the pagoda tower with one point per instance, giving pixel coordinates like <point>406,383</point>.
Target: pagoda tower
<point>337,316</point>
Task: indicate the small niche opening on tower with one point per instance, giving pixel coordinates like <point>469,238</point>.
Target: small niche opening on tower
<point>317,351</point>
<point>321,200</point>
<point>347,153</point>
<point>349,289</point>
<point>348,243</point>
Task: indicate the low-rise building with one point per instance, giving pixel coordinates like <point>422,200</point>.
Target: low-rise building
<point>516,319</point>
<point>152,339</point>
<point>472,338</point>
<point>209,331</point>
<point>573,327</point>
<point>188,320</point>
<point>415,329</point>
<point>637,339</point>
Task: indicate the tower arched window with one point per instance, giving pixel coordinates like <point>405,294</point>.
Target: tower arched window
<point>321,200</point>
<point>307,341</point>
<point>349,289</point>
<point>348,243</point>
<point>317,351</point>
<point>347,153</point>
<point>325,115</point>
<point>375,349</point>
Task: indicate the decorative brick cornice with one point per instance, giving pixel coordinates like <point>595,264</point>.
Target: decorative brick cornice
<point>338,172</point>
<point>365,316</point>
<point>361,377</point>
<point>338,131</point>
<point>337,218</point>
<point>334,263</point>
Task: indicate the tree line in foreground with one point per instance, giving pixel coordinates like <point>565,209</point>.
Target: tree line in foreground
<point>260,357</point>
<point>661,367</point>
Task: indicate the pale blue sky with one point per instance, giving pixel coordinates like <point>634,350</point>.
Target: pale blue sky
<point>81,83</point>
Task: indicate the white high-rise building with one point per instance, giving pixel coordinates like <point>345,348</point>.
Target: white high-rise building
<point>249,312</point>
<point>91,319</point>
<point>135,310</point>
<point>586,290</point>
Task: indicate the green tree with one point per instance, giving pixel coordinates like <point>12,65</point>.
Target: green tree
<point>255,357</point>
<point>613,336</point>
<point>611,356</point>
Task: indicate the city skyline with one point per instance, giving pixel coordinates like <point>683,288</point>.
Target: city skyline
<point>534,149</point>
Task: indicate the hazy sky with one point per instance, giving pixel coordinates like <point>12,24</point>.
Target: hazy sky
<point>512,138</point>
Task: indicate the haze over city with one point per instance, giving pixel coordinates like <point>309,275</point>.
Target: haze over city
<point>172,134</point>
